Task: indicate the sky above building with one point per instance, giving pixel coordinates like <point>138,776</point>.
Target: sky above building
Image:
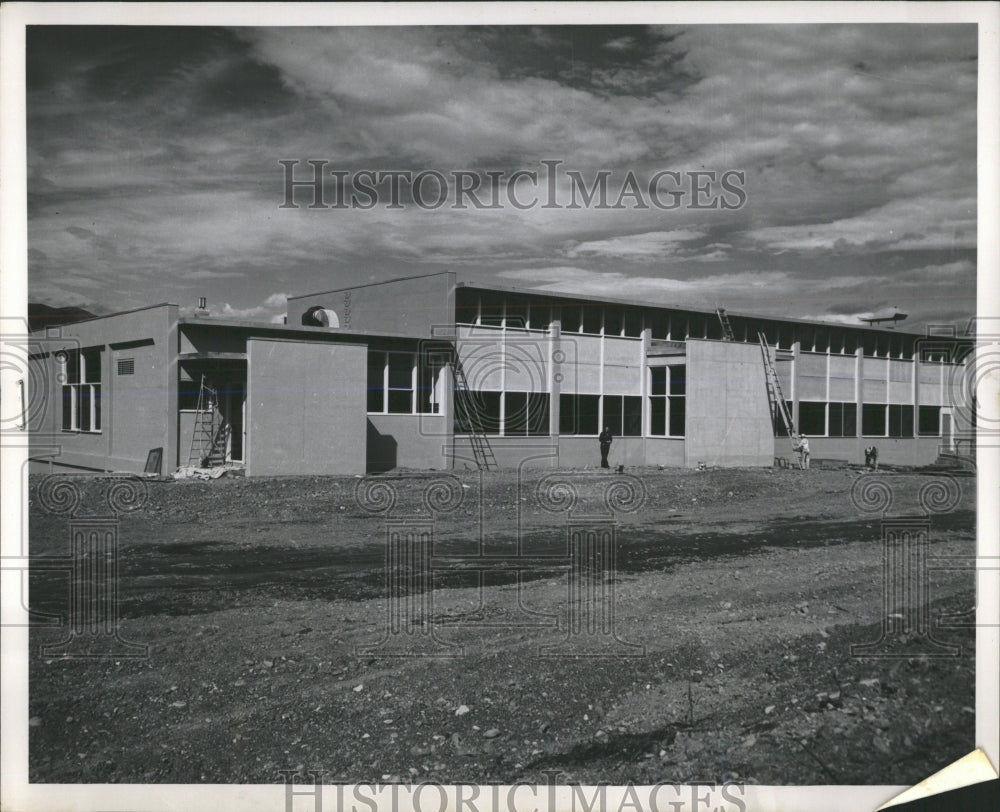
<point>154,174</point>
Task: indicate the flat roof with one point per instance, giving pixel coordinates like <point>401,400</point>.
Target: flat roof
<point>102,316</point>
<point>247,324</point>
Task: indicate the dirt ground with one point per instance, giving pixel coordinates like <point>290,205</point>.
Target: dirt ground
<point>737,595</point>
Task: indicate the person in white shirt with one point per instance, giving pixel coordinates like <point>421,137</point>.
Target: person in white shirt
<point>803,449</point>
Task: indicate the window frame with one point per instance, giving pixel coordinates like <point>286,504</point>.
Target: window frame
<point>78,370</point>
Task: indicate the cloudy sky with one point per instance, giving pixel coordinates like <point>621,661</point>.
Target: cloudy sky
<point>153,162</point>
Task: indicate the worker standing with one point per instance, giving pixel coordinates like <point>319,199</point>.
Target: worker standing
<point>803,449</point>
<point>605,440</point>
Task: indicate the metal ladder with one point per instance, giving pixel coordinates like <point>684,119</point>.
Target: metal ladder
<point>208,439</point>
<point>481,449</point>
<point>775,397</point>
<point>727,328</point>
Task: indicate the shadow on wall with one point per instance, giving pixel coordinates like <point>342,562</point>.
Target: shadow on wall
<point>381,455</point>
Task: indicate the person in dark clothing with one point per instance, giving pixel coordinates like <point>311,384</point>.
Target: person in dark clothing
<point>605,440</point>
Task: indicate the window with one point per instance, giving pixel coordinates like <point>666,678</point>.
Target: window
<point>399,392</point>
<point>578,414</point>
<point>929,419</point>
<point>623,415</point>
<point>667,389</point>
<point>428,396</point>
<point>571,318</point>
<point>526,414</point>
<point>477,411</point>
<point>812,418</point>
<point>843,420</point>
<point>517,314</point>
<point>82,391</point>
<point>659,324</point>
<point>900,421</point>
<point>678,392</point>
<point>633,323</point>
<point>491,308</point>
<point>895,420</point>
<point>397,386</point>
<point>592,318</point>
<point>539,315</point>
<point>873,420</point>
<point>613,321</point>
<point>126,366</point>
<point>376,381</point>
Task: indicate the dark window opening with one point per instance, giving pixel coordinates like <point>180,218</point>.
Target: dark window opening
<point>929,418</point>
<point>873,420</point>
<point>578,414</point>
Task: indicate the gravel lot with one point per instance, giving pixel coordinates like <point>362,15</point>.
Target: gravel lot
<point>740,590</point>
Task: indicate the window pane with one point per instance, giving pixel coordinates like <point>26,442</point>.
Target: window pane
<point>613,414</point>
<point>658,380</point>
<point>591,318</point>
<point>571,318</point>
<point>515,414</point>
<point>677,416</point>
<point>836,411</point>
<point>850,420</point>
<point>517,313</point>
<point>83,411</point>
<point>812,418</point>
<point>478,410</point>
<point>633,323</point>
<point>491,305</point>
<point>587,413</point>
<point>907,421</point>
<point>400,401</point>
<point>539,316</point>
<point>92,364</point>
<point>538,414</point>
<point>657,321</point>
<point>632,416</point>
<point>400,370</point>
<point>96,394</point>
<point>612,321</point>
<point>67,408</point>
<point>657,416</point>
<point>677,380</point>
<point>873,420</point>
<point>376,381</point>
<point>568,420</point>
<point>930,420</point>
<point>428,375</point>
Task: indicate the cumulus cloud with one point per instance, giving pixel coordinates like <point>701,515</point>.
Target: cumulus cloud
<point>154,175</point>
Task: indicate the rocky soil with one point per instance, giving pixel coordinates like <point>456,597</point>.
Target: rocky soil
<point>736,598</point>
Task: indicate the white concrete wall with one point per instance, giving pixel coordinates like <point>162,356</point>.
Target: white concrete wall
<point>305,407</point>
<point>728,416</point>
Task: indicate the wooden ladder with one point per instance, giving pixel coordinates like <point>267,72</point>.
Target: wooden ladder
<point>209,437</point>
<point>775,397</point>
<point>467,413</point>
<point>727,328</point>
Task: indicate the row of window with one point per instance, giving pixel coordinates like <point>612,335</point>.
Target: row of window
<point>495,309</point>
<point>877,420</point>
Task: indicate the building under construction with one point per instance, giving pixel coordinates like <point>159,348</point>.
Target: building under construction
<point>429,373</point>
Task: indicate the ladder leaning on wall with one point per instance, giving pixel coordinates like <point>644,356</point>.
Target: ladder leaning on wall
<point>466,412</point>
<point>727,328</point>
<point>209,437</point>
<point>775,397</point>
